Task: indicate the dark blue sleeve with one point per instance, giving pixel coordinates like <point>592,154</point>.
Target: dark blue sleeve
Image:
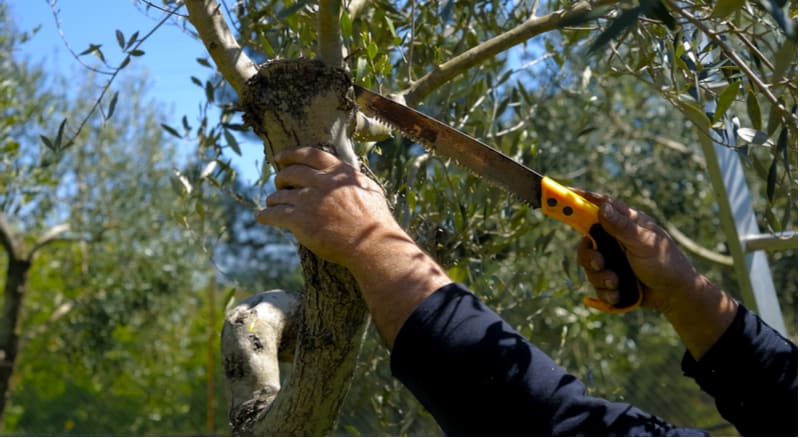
<point>478,376</point>
<point>751,372</point>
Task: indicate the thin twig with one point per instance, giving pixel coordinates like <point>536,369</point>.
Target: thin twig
<point>754,78</point>
<point>8,240</point>
<point>163,9</point>
<point>60,30</point>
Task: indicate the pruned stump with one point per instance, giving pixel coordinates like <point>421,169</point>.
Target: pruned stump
<point>303,102</point>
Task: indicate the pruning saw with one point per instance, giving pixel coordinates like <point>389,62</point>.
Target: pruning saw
<point>537,190</point>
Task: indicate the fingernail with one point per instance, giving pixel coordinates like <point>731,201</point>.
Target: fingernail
<point>611,284</point>
<point>595,264</point>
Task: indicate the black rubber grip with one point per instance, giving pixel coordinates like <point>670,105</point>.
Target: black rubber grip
<point>629,287</point>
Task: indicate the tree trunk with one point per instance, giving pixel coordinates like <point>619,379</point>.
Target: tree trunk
<point>16,286</point>
<point>292,104</point>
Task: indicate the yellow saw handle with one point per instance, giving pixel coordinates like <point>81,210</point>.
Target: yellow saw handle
<point>581,214</point>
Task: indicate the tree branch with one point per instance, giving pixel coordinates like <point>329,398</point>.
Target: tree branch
<point>257,334</point>
<point>8,239</point>
<point>329,35</point>
<point>490,48</point>
<point>234,65</point>
<point>50,236</point>
<point>686,241</point>
<point>695,248</point>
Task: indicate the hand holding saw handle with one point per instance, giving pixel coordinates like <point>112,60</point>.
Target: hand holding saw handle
<point>569,207</point>
<point>537,190</point>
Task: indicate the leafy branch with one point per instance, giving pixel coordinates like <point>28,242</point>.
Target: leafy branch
<point>130,46</point>
<point>234,65</point>
<point>487,50</point>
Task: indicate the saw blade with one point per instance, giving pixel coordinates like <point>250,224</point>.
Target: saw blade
<point>445,140</point>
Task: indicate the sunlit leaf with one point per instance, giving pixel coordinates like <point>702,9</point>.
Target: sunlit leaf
<point>372,50</point>
<point>774,120</point>
<point>724,8</point>
<point>783,59</point>
<point>754,137</point>
<point>232,142</point>
<point>725,100</point>
<point>346,24</point>
<point>209,168</point>
<point>754,110</point>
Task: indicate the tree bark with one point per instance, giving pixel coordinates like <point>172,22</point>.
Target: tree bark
<point>13,296</point>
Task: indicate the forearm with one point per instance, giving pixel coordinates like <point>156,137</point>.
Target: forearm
<point>702,315</point>
<point>394,275</point>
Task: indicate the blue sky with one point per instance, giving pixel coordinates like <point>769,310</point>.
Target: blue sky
<point>169,60</point>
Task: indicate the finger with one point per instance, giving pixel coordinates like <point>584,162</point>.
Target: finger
<point>594,197</point>
<point>588,257</point>
<point>284,197</point>
<point>603,280</point>
<point>308,156</point>
<point>276,216</point>
<point>609,296</point>
<point>296,176</point>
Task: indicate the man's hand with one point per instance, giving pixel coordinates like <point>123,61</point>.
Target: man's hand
<point>330,207</point>
<point>656,260</point>
<point>698,310</point>
<point>342,216</point>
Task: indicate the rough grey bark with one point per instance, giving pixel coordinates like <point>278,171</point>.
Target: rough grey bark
<point>294,103</point>
<point>20,259</point>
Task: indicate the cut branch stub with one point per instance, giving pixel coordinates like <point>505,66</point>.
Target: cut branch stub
<point>257,334</point>
<point>301,102</point>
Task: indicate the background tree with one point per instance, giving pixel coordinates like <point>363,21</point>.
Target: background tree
<point>117,303</point>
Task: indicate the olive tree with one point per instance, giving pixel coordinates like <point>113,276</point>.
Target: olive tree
<point>597,93</point>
